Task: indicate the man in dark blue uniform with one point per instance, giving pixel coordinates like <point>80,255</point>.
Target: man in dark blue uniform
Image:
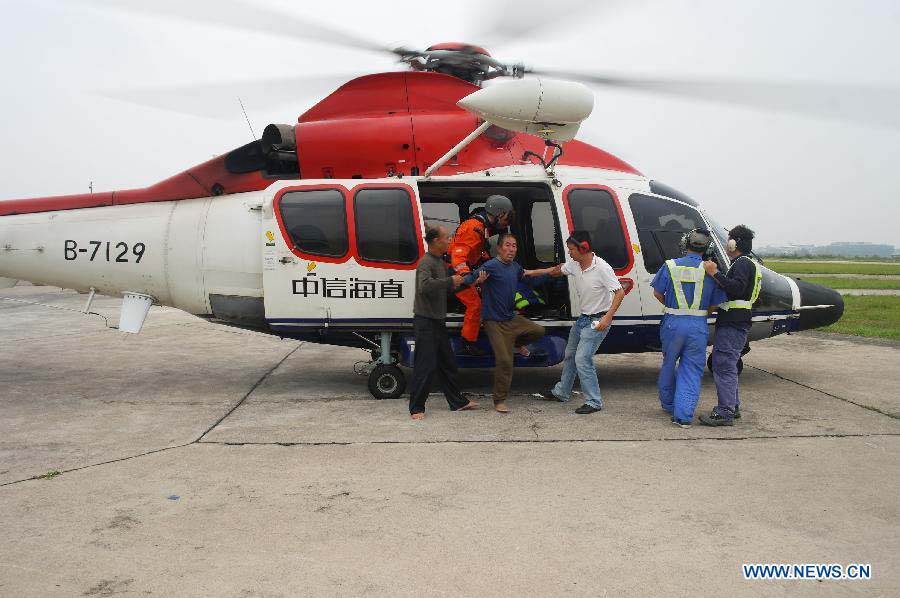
<point>688,294</point>
<point>742,283</point>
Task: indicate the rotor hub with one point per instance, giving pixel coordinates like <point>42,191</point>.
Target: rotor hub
<point>465,61</point>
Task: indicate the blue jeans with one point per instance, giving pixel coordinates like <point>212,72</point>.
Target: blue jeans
<point>583,344</point>
<point>684,358</point>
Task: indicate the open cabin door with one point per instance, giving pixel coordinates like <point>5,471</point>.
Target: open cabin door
<point>341,254</point>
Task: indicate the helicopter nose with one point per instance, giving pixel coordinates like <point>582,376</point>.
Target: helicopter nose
<point>819,306</point>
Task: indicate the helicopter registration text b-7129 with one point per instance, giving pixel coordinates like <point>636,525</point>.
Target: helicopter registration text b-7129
<point>114,251</point>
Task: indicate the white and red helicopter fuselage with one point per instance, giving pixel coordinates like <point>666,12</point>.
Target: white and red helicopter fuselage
<point>315,232</point>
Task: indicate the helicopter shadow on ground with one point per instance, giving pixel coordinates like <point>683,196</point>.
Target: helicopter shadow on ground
<point>323,372</point>
<point>313,398</point>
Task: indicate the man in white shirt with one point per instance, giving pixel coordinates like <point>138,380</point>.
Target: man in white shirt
<point>599,296</point>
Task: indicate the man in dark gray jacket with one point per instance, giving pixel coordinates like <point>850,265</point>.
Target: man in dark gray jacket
<point>434,357</point>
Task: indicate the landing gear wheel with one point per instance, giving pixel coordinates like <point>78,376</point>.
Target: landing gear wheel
<point>387,382</point>
<point>740,364</point>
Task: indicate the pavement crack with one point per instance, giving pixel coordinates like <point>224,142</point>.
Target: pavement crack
<point>119,460</point>
<point>544,441</point>
<point>826,393</point>
<point>57,473</point>
<point>249,392</point>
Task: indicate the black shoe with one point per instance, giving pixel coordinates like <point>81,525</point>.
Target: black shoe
<point>737,412</point>
<point>681,423</point>
<point>548,395</point>
<point>716,419</point>
<point>585,409</point>
<point>469,348</point>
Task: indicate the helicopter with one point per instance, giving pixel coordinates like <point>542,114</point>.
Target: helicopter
<point>313,232</point>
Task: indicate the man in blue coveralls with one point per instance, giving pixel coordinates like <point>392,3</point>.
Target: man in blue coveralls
<point>688,294</point>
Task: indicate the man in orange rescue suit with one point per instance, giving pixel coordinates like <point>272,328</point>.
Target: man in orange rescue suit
<point>468,251</point>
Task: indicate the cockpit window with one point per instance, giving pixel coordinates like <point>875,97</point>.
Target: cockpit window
<point>661,223</point>
<point>721,234</point>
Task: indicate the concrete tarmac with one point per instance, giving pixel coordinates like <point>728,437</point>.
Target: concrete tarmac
<point>198,460</point>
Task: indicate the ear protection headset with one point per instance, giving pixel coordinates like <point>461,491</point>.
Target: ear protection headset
<point>697,239</point>
<point>738,244</point>
<point>583,246</point>
<point>740,238</point>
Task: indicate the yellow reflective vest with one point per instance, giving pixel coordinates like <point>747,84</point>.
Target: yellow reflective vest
<point>757,287</point>
<point>681,275</point>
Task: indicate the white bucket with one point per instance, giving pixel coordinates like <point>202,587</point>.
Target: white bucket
<point>135,307</point>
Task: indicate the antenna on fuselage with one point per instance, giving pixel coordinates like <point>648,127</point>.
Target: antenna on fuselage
<point>247,118</point>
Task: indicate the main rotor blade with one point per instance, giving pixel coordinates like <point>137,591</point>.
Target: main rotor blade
<point>516,19</point>
<point>237,14</point>
<point>220,100</point>
<point>854,103</point>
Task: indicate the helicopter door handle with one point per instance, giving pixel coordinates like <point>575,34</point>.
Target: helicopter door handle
<point>286,260</point>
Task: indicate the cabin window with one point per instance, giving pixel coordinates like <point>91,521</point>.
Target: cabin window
<point>316,221</point>
<point>385,226</point>
<point>443,214</point>
<point>594,211</point>
<point>543,230</point>
<point>661,224</point>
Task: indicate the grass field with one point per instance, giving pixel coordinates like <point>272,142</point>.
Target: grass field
<point>799,267</point>
<point>853,283</point>
<point>814,258</point>
<point>869,316</point>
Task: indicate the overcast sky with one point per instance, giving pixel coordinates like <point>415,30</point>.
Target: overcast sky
<point>795,179</point>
